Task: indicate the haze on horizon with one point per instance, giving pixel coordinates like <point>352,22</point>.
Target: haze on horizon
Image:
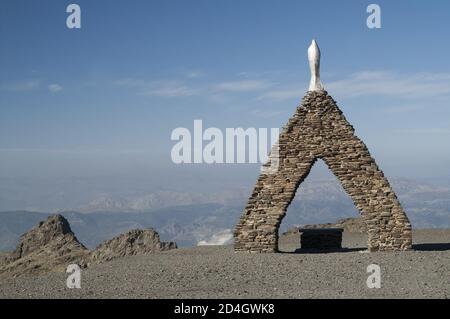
<point>92,110</point>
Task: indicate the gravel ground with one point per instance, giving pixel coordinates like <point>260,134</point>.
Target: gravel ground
<point>218,272</point>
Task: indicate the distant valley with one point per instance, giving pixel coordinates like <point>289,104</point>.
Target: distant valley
<point>197,218</point>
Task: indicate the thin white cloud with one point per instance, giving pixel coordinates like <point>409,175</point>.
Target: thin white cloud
<point>266,113</point>
<point>263,74</point>
<point>195,74</point>
<point>374,83</point>
<point>243,86</point>
<point>364,83</point>
<point>21,86</point>
<point>214,92</point>
<point>130,83</point>
<point>402,108</point>
<point>416,85</point>
<point>54,88</point>
<point>219,98</point>
<point>284,94</point>
<point>29,85</point>
<point>169,89</point>
<point>120,151</point>
<point>425,131</point>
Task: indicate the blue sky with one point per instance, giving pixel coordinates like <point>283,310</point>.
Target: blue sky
<point>103,100</point>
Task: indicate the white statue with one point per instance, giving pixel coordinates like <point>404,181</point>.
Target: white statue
<point>314,65</point>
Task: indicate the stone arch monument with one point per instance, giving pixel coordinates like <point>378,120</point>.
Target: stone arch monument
<point>319,130</point>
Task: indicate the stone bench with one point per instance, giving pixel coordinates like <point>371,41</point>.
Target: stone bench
<point>321,238</point>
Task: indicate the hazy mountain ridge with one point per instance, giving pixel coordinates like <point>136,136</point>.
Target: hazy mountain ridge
<point>157,200</point>
<point>327,189</point>
<point>192,218</point>
<point>187,225</point>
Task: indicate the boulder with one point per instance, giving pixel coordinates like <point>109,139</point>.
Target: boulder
<point>134,242</point>
<point>48,246</point>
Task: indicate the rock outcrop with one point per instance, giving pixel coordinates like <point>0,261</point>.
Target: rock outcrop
<point>134,242</point>
<point>3,259</point>
<point>49,246</point>
<point>52,246</point>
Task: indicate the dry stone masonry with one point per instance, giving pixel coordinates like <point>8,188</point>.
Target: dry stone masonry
<point>319,130</point>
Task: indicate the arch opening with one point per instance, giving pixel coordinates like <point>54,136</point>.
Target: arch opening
<point>321,201</point>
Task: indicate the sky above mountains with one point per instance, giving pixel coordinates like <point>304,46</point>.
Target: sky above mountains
<point>103,100</point>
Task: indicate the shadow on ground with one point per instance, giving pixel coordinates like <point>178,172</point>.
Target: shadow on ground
<point>318,251</point>
<point>432,247</point>
<point>417,247</point>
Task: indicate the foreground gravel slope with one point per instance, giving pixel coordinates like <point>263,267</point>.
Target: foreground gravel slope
<point>218,272</point>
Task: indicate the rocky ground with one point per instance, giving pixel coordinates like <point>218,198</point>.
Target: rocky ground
<point>218,272</point>
<point>51,245</point>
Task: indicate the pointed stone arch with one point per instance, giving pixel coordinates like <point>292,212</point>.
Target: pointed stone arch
<point>319,129</point>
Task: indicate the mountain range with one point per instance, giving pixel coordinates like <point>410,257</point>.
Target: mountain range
<point>200,218</point>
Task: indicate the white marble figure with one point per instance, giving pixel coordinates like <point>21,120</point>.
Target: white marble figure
<point>314,65</point>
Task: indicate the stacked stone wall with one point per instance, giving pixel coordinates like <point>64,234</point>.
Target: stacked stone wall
<point>319,130</point>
